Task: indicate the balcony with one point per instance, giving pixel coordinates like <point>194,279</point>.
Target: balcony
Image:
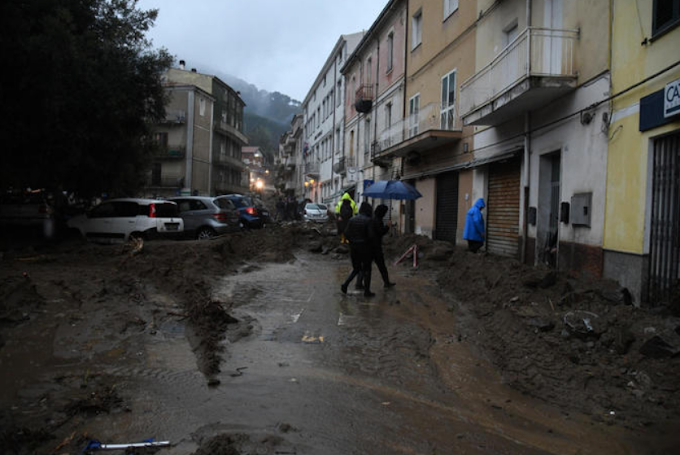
<point>171,152</point>
<point>312,169</point>
<point>429,128</point>
<point>166,181</point>
<point>225,160</point>
<point>225,128</point>
<point>363,101</point>
<point>175,116</point>
<point>533,70</point>
<point>343,163</point>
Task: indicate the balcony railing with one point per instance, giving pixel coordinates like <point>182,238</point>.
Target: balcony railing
<point>175,116</point>
<point>166,182</point>
<point>171,151</point>
<point>536,52</point>
<point>363,101</point>
<point>430,117</point>
<point>342,164</point>
<point>230,129</point>
<point>226,160</point>
<point>312,168</point>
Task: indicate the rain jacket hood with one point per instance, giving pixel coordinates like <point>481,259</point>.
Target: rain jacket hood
<point>355,209</point>
<point>474,222</point>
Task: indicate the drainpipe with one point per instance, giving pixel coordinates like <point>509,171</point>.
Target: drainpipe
<point>404,100</point>
<point>189,160</point>
<point>335,87</point>
<point>210,148</point>
<point>375,104</point>
<point>527,155</point>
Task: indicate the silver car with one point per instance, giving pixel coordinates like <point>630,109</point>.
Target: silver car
<point>205,217</point>
<point>315,212</point>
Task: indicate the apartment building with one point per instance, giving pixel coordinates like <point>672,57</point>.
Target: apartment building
<point>289,176</point>
<point>325,171</point>
<point>201,139</point>
<point>375,98</point>
<point>435,151</point>
<point>540,142</point>
<point>642,212</point>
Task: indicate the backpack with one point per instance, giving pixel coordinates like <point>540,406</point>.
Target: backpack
<point>346,210</point>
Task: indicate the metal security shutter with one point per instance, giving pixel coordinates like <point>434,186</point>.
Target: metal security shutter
<point>503,208</point>
<point>664,257</point>
<point>447,207</point>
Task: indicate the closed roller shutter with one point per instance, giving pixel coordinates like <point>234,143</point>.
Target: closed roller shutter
<point>447,207</point>
<point>503,208</point>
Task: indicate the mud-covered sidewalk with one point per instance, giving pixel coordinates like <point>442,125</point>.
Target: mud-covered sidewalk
<point>577,344</point>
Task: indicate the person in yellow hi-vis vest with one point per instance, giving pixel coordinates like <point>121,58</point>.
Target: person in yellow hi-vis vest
<point>345,209</point>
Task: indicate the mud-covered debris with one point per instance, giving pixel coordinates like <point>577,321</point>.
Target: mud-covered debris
<point>22,440</point>
<point>543,281</point>
<point>103,400</point>
<point>543,325</point>
<point>341,249</point>
<point>583,324</point>
<point>661,346</point>
<point>315,247</point>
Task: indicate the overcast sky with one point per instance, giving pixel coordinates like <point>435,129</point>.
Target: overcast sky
<point>278,45</point>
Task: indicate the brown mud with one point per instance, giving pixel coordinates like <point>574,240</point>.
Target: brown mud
<point>575,343</point>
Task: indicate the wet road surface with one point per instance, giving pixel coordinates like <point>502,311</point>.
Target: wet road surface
<point>321,372</point>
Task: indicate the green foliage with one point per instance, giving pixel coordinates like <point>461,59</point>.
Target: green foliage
<point>264,133</point>
<point>84,84</point>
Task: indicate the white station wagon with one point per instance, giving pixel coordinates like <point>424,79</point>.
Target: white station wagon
<point>117,220</point>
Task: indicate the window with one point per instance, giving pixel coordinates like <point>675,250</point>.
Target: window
<point>450,6</point>
<point>338,97</point>
<point>388,115</point>
<point>201,107</point>
<point>413,109</point>
<point>369,71</point>
<point>416,29</point>
<point>448,113</point>
<point>666,15</point>
<point>161,139</point>
<point>510,33</point>
<point>390,51</point>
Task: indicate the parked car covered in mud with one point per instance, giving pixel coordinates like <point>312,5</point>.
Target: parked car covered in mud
<point>117,220</point>
<point>206,217</point>
<point>31,210</point>
<point>315,212</point>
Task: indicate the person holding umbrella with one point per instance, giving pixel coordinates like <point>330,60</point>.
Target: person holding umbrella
<point>379,230</point>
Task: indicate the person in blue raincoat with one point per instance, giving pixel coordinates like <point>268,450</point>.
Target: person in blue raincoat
<point>474,226</point>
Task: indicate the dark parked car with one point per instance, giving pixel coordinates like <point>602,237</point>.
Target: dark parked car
<point>250,215</point>
<point>205,217</point>
<point>34,210</point>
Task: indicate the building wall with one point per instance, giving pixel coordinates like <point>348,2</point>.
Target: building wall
<point>201,150</point>
<point>425,210</point>
<point>627,230</point>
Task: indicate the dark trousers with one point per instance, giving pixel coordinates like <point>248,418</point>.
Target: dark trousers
<point>379,259</point>
<point>474,245</point>
<point>362,259</point>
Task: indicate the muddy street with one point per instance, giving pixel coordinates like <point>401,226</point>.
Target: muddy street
<point>106,348</point>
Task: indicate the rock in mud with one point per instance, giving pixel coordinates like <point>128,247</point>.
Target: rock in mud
<point>543,325</point>
<point>661,346</point>
<point>315,247</point>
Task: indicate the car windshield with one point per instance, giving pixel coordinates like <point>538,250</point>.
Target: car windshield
<point>315,207</point>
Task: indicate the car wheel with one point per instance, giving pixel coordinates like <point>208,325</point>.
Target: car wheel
<point>205,234</point>
<point>137,235</point>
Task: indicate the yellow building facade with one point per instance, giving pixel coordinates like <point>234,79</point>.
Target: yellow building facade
<point>641,237</point>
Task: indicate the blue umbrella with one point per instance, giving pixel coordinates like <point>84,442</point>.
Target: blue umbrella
<point>392,189</point>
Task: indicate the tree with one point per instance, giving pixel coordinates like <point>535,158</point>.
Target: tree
<point>85,86</point>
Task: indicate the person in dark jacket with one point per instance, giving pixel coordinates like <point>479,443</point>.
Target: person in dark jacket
<point>360,234</point>
<point>379,230</point>
<point>344,215</point>
<point>474,226</point>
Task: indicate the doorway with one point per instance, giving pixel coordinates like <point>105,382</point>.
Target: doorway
<point>547,240</point>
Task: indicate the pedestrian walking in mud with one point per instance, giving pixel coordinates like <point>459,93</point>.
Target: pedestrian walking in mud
<point>280,209</point>
<point>345,209</point>
<point>379,230</point>
<point>360,234</point>
<point>474,226</point>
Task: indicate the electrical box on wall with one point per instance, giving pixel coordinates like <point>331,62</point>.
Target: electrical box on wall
<point>532,216</point>
<point>581,208</point>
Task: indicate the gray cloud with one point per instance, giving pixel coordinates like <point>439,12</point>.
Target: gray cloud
<point>277,45</point>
